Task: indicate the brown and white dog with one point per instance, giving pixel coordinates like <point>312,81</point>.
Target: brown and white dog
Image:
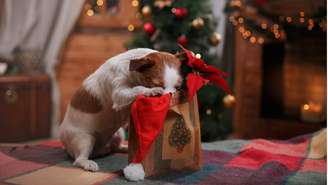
<point>100,107</point>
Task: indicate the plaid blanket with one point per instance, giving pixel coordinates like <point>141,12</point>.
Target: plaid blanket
<point>297,161</point>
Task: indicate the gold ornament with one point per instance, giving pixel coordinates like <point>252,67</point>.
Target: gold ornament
<point>162,3</point>
<point>146,11</point>
<point>198,23</point>
<point>215,39</point>
<point>229,101</point>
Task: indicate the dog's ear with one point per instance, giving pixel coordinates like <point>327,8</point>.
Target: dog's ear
<point>141,64</point>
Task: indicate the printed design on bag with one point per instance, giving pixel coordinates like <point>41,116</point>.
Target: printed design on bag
<point>180,135</point>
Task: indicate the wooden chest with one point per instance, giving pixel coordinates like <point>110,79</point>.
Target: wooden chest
<point>24,107</point>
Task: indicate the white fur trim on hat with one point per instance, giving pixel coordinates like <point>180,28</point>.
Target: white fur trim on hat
<point>134,172</point>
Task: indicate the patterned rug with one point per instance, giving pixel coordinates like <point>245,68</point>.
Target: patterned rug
<point>297,161</point>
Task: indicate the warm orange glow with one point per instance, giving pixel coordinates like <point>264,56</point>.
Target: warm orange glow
<point>248,33</point>
<point>275,26</point>
<point>241,20</point>
<point>90,12</point>
<point>100,2</point>
<point>208,111</point>
<point>264,26</point>
<point>130,27</point>
<point>306,106</point>
<point>275,32</point>
<point>241,29</point>
<point>235,3</point>
<point>252,40</point>
<point>135,3</point>
<point>260,40</point>
<point>289,19</point>
<point>277,36</point>
<point>311,21</point>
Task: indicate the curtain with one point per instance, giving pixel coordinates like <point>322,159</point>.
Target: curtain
<point>39,27</point>
<point>218,11</point>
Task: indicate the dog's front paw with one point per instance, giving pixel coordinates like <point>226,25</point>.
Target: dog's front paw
<point>88,165</point>
<point>154,91</point>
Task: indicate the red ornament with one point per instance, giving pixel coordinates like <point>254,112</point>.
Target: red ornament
<point>149,28</point>
<point>180,12</point>
<point>182,40</point>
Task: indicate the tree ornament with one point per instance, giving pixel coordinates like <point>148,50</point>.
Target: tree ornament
<point>149,28</point>
<point>229,101</point>
<point>182,40</point>
<point>215,39</point>
<point>198,23</point>
<point>180,135</point>
<point>162,3</point>
<point>146,11</point>
<point>180,12</point>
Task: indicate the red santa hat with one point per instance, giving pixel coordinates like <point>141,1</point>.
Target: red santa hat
<point>148,114</point>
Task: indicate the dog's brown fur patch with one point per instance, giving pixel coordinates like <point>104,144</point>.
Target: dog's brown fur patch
<point>153,75</point>
<point>86,102</point>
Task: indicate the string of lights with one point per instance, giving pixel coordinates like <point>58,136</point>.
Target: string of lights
<point>258,30</point>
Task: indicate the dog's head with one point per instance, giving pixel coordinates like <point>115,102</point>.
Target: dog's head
<point>158,69</point>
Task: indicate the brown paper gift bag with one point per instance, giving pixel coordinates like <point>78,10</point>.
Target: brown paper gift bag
<point>178,146</point>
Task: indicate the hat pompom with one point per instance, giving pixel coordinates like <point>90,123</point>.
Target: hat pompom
<point>134,172</point>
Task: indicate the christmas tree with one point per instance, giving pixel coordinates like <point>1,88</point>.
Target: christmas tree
<point>167,23</point>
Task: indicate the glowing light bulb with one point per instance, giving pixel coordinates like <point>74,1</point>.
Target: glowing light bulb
<point>241,29</point>
<point>131,27</point>
<point>252,40</point>
<point>135,3</point>
<point>90,12</point>
<point>264,26</point>
<point>306,106</point>
<point>260,40</point>
<point>241,20</point>
<point>100,2</point>
<point>275,26</point>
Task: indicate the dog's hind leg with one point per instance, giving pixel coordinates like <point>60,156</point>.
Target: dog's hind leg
<point>83,146</point>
